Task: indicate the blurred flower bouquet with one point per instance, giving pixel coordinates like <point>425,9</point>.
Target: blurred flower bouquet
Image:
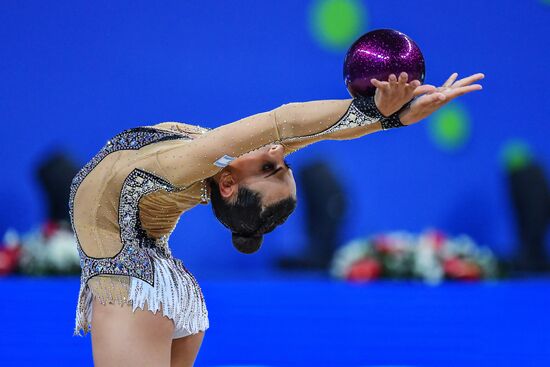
<point>431,256</point>
<point>48,250</point>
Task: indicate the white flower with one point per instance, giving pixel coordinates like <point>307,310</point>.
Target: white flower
<point>11,238</point>
<point>346,255</point>
<point>62,252</point>
<point>57,253</point>
<point>426,263</point>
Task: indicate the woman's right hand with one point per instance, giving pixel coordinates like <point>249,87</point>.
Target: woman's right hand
<point>430,102</point>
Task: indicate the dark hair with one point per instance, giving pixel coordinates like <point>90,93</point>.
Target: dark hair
<point>245,217</point>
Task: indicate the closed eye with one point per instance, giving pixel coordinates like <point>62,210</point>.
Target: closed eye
<point>270,166</point>
<point>274,172</point>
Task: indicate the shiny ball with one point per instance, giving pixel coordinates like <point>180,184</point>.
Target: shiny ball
<point>377,54</point>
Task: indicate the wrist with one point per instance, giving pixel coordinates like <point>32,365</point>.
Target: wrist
<point>381,107</point>
<point>367,106</point>
<point>405,115</point>
<point>391,122</point>
<point>405,118</point>
<point>396,119</point>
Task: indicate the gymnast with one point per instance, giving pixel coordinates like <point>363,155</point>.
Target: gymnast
<point>141,305</point>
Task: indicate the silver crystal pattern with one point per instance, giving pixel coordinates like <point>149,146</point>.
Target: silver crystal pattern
<point>131,260</point>
<point>353,117</point>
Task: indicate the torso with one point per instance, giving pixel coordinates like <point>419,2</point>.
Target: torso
<point>116,206</point>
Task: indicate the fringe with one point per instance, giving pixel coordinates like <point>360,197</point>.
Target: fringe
<point>178,292</point>
<point>83,310</point>
<point>175,289</point>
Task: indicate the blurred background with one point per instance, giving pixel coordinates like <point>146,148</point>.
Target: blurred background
<point>431,249</point>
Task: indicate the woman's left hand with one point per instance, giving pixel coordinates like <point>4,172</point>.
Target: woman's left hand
<point>430,102</point>
<point>390,96</point>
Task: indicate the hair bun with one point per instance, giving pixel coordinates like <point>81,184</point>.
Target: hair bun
<point>247,244</point>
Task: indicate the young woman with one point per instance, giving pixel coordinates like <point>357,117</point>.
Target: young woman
<point>142,305</point>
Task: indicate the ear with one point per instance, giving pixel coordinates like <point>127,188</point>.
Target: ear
<point>228,185</point>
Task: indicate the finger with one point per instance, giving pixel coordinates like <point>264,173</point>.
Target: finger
<point>456,92</point>
<point>423,89</point>
<point>469,80</point>
<point>451,80</point>
<point>378,84</point>
<point>403,77</point>
<point>434,98</point>
<point>392,79</point>
<point>415,84</point>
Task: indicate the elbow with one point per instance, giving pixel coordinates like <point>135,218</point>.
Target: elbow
<point>285,114</point>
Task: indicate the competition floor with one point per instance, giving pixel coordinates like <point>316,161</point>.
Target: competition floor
<point>277,320</point>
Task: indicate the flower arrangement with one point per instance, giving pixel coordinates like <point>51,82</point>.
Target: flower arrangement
<point>48,250</point>
<point>431,256</point>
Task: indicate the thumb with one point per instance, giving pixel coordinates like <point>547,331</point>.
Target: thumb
<point>433,98</point>
<point>423,89</point>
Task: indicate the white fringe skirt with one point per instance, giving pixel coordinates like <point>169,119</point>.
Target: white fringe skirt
<point>176,289</point>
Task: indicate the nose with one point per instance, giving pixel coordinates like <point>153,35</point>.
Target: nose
<point>277,150</point>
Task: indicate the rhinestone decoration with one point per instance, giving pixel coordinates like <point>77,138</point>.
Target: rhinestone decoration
<point>205,198</point>
<point>131,260</point>
<point>359,113</point>
<point>391,122</point>
<point>368,106</point>
<point>394,121</point>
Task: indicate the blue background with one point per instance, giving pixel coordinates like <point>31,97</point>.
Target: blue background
<point>307,321</point>
<point>74,73</point>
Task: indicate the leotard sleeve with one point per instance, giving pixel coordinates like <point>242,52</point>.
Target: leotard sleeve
<point>293,125</point>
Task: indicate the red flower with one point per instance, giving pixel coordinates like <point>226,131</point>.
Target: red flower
<point>437,238</point>
<point>364,270</point>
<point>9,257</point>
<point>383,245</point>
<point>456,268</point>
<point>50,228</point>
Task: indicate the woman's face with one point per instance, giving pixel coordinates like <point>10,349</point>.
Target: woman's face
<point>265,170</point>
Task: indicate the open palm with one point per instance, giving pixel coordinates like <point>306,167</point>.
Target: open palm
<point>428,103</point>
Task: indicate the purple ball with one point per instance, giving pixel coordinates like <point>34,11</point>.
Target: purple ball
<point>377,54</point>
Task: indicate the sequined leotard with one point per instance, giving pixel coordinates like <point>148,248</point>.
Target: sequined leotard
<point>127,200</point>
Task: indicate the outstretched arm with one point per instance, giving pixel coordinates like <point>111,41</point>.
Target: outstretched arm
<point>294,125</point>
<point>185,162</point>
